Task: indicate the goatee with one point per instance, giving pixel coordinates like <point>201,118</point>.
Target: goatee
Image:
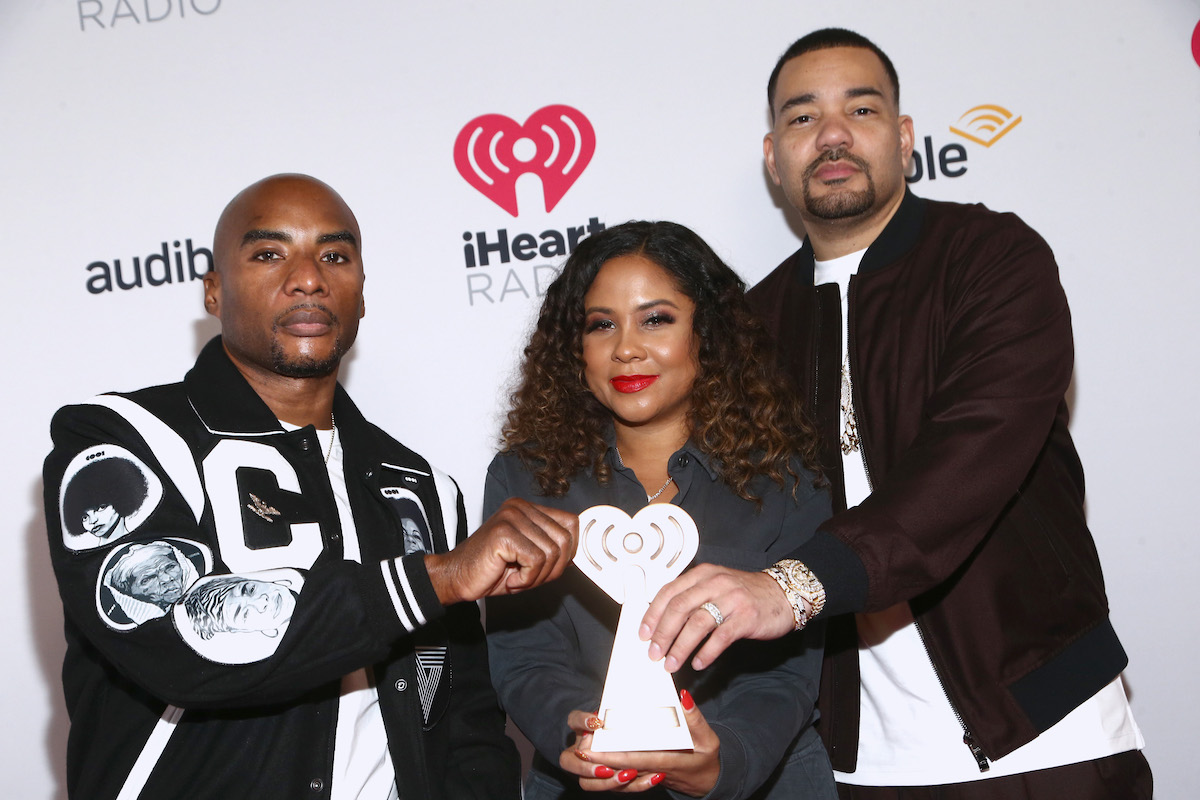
<point>305,366</point>
<point>839,205</point>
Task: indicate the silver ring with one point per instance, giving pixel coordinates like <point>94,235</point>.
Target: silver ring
<point>716,613</point>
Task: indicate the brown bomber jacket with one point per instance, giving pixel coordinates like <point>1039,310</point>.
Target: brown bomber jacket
<point>961,352</point>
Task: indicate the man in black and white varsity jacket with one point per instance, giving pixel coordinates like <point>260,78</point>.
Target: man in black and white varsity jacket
<point>262,590</point>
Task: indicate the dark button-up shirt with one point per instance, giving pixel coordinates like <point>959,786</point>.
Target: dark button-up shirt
<point>549,648</point>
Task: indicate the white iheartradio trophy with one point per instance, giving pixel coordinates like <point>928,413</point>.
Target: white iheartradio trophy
<point>632,559</point>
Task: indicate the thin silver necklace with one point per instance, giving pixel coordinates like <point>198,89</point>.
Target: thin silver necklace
<point>332,437</point>
<point>650,498</point>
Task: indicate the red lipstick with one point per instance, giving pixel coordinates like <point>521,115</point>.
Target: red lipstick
<point>628,384</point>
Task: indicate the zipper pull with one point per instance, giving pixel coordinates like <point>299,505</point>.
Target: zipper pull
<point>977,751</point>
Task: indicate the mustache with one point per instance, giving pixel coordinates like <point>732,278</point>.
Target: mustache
<point>839,154</point>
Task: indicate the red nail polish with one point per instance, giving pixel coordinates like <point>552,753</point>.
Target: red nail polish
<point>657,778</point>
<point>594,723</point>
<point>582,756</point>
<point>602,771</point>
<point>685,698</point>
<point>626,775</point>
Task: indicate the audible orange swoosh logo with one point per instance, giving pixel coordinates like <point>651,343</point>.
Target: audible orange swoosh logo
<point>986,124</point>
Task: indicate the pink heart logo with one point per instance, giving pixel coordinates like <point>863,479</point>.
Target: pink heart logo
<point>555,143</point>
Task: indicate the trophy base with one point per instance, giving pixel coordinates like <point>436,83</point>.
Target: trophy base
<point>637,729</point>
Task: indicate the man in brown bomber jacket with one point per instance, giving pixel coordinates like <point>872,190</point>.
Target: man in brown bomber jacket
<point>933,343</point>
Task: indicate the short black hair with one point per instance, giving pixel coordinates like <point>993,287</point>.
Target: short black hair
<point>825,39</point>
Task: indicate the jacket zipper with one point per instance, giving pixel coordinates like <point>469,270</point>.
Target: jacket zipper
<point>977,753</point>
<point>981,760</point>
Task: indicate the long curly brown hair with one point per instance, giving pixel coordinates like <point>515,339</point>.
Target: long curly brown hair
<point>742,412</point>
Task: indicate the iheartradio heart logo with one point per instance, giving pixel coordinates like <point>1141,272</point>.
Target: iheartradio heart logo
<point>657,544</point>
<point>555,143</point>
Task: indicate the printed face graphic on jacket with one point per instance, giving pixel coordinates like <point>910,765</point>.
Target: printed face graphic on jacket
<point>234,604</point>
<point>238,619</point>
<point>150,573</point>
<point>143,581</point>
<point>101,520</point>
<point>107,492</point>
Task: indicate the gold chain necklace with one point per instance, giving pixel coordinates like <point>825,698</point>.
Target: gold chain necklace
<point>650,498</point>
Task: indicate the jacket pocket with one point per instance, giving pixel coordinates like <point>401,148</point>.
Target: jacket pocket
<point>1041,539</point>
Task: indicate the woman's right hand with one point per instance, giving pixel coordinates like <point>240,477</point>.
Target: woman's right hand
<point>692,772</point>
<point>578,759</point>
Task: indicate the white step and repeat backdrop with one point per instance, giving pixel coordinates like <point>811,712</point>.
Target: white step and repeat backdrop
<point>127,124</point>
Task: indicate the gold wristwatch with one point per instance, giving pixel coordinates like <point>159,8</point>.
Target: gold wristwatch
<point>798,584</point>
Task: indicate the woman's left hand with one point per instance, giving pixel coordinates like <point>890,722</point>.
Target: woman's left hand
<point>692,772</point>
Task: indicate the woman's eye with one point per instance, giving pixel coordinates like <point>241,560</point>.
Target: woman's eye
<point>598,324</point>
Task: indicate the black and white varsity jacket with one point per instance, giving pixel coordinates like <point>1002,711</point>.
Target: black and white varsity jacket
<point>211,610</point>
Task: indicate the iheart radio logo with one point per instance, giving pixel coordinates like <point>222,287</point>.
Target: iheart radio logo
<point>555,143</point>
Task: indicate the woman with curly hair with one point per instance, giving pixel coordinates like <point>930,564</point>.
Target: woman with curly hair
<point>648,380</point>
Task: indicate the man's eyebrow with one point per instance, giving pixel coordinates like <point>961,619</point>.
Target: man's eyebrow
<point>811,97</point>
<point>340,236</point>
<point>261,234</point>
<point>798,100</point>
<point>864,91</point>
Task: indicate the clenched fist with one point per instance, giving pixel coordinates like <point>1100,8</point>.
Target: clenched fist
<point>521,546</point>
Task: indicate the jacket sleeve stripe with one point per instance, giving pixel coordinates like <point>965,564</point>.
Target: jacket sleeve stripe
<point>168,447</point>
<point>409,597</point>
<point>403,599</point>
<point>151,752</point>
<point>447,491</point>
<point>399,468</point>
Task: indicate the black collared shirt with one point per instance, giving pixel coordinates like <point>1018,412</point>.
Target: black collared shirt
<point>549,648</point>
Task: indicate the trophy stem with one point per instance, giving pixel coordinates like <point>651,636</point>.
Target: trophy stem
<point>640,707</point>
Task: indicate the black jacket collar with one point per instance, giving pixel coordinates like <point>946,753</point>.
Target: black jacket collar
<point>227,404</point>
<point>898,237</point>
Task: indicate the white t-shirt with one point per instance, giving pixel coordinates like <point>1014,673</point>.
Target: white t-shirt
<point>362,765</point>
<point>909,734</point>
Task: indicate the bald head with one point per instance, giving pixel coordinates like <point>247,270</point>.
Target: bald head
<point>288,278</point>
<point>273,192</point>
